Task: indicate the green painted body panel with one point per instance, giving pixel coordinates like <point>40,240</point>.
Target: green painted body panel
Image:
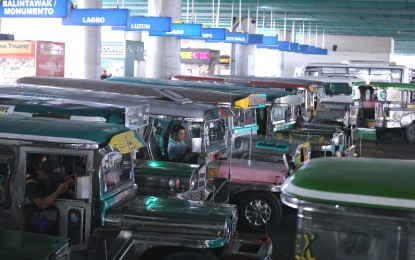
<point>111,113</point>
<point>387,85</point>
<point>160,168</point>
<point>25,245</point>
<point>47,127</point>
<point>368,182</point>
<point>366,134</point>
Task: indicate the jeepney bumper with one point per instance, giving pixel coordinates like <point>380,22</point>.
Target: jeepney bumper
<point>244,249</point>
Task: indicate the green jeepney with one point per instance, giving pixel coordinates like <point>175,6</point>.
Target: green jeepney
<point>208,128</point>
<point>353,208</point>
<point>24,245</point>
<point>106,217</point>
<point>155,177</point>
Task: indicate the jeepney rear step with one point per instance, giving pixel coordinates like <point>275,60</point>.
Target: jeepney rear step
<point>244,249</point>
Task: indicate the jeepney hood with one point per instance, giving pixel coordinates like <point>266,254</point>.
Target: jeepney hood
<point>162,169</point>
<point>167,215</point>
<point>252,171</point>
<point>267,144</point>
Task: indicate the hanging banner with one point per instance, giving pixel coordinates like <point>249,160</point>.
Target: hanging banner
<point>181,30</point>
<point>233,37</point>
<point>211,34</point>
<point>293,47</point>
<point>283,45</point>
<point>255,39</point>
<point>34,9</point>
<point>98,17</point>
<point>143,23</point>
<point>270,40</point>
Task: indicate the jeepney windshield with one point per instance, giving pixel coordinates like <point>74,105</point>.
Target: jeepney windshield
<point>338,88</point>
<point>116,170</point>
<point>244,117</point>
<point>216,135</point>
<point>278,114</point>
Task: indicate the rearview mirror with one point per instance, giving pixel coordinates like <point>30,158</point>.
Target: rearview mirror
<point>83,185</point>
<point>197,145</point>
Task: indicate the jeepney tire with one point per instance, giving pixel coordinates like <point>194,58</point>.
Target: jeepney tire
<point>249,198</point>
<point>410,133</point>
<point>188,253</point>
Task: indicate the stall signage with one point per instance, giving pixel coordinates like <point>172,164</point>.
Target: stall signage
<point>195,55</point>
<point>255,39</point>
<point>225,59</point>
<point>142,23</point>
<point>98,17</point>
<point>181,30</point>
<point>34,8</point>
<point>13,47</point>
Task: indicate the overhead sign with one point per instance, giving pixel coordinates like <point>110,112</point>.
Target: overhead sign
<point>143,23</point>
<point>218,34</point>
<point>98,17</point>
<point>233,37</point>
<point>181,30</point>
<point>270,40</point>
<point>255,39</point>
<point>34,8</point>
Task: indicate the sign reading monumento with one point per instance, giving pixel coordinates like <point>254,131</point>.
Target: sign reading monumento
<point>34,8</point>
<point>98,17</point>
<point>143,23</point>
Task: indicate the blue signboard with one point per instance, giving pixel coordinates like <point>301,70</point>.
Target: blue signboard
<point>181,30</point>
<point>293,47</point>
<point>143,23</point>
<point>303,48</point>
<point>270,40</point>
<point>34,8</point>
<point>266,46</point>
<point>283,45</point>
<point>98,17</point>
<point>214,33</point>
<point>233,37</point>
<point>255,39</point>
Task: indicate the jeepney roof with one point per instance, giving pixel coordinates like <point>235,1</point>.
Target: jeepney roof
<point>177,94</point>
<point>65,109</point>
<point>157,107</point>
<point>59,130</point>
<point>386,85</point>
<point>364,182</point>
<point>233,92</point>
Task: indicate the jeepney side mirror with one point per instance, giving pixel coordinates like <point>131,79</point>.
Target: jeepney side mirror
<point>83,186</point>
<point>196,145</point>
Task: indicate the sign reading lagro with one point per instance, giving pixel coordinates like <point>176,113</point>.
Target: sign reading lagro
<point>34,8</point>
<point>98,17</point>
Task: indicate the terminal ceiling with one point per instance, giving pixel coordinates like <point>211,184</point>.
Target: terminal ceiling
<point>393,18</point>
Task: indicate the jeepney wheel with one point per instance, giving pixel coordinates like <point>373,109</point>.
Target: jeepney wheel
<point>410,133</point>
<point>259,211</point>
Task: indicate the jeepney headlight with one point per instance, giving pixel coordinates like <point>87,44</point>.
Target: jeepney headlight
<point>212,172</point>
<point>336,139</point>
<point>193,181</point>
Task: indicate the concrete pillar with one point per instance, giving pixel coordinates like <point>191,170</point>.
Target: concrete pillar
<point>83,47</point>
<point>244,55</point>
<point>163,53</point>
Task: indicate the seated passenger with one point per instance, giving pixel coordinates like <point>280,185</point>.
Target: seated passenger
<point>37,190</point>
<point>177,148</point>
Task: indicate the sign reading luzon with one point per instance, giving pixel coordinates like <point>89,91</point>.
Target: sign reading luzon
<point>34,8</point>
<point>273,146</point>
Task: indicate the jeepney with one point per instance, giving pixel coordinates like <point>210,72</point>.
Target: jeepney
<point>289,114</point>
<point>384,106</point>
<point>364,209</point>
<point>208,128</point>
<point>155,177</point>
<point>106,217</point>
<point>247,108</point>
<point>16,244</point>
